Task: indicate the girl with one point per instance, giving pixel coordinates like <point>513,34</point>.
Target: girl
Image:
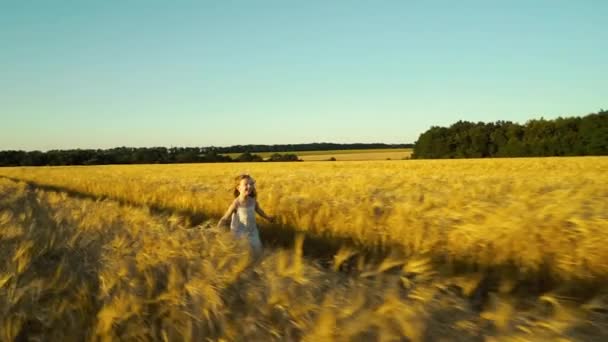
<point>242,212</point>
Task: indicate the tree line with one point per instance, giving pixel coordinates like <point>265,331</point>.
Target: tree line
<point>323,146</point>
<point>572,136</point>
<point>130,155</point>
<point>163,155</point>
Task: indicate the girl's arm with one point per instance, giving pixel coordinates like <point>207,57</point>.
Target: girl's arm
<point>259,210</point>
<point>229,212</point>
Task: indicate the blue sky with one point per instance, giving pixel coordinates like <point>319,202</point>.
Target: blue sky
<point>85,74</point>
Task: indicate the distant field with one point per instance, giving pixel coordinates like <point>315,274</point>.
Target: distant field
<point>373,154</point>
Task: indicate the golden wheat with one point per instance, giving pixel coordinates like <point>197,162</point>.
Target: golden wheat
<point>106,253</point>
<point>521,212</point>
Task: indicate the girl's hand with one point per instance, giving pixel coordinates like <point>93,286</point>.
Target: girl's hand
<point>221,224</point>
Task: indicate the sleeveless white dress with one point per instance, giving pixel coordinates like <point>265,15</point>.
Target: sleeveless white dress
<point>243,225</point>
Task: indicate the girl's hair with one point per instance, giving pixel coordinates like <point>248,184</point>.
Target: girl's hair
<point>237,181</point>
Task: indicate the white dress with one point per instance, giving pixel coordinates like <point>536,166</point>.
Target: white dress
<point>243,225</point>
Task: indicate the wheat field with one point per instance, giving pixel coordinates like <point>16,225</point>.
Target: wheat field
<point>343,155</point>
<point>363,154</point>
<point>494,250</point>
<point>360,156</point>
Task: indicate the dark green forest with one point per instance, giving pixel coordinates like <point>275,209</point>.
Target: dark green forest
<point>307,147</point>
<point>572,136</point>
<point>163,155</point>
<point>128,155</point>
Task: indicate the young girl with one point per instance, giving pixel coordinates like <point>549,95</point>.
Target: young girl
<point>242,212</point>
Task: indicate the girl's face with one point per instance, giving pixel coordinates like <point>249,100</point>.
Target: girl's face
<point>246,186</point>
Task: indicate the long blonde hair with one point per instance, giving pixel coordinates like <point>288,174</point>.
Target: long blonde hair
<point>237,181</point>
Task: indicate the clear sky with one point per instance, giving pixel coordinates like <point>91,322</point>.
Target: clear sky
<point>100,74</point>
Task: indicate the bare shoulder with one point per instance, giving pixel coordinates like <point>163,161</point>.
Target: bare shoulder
<point>249,202</point>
